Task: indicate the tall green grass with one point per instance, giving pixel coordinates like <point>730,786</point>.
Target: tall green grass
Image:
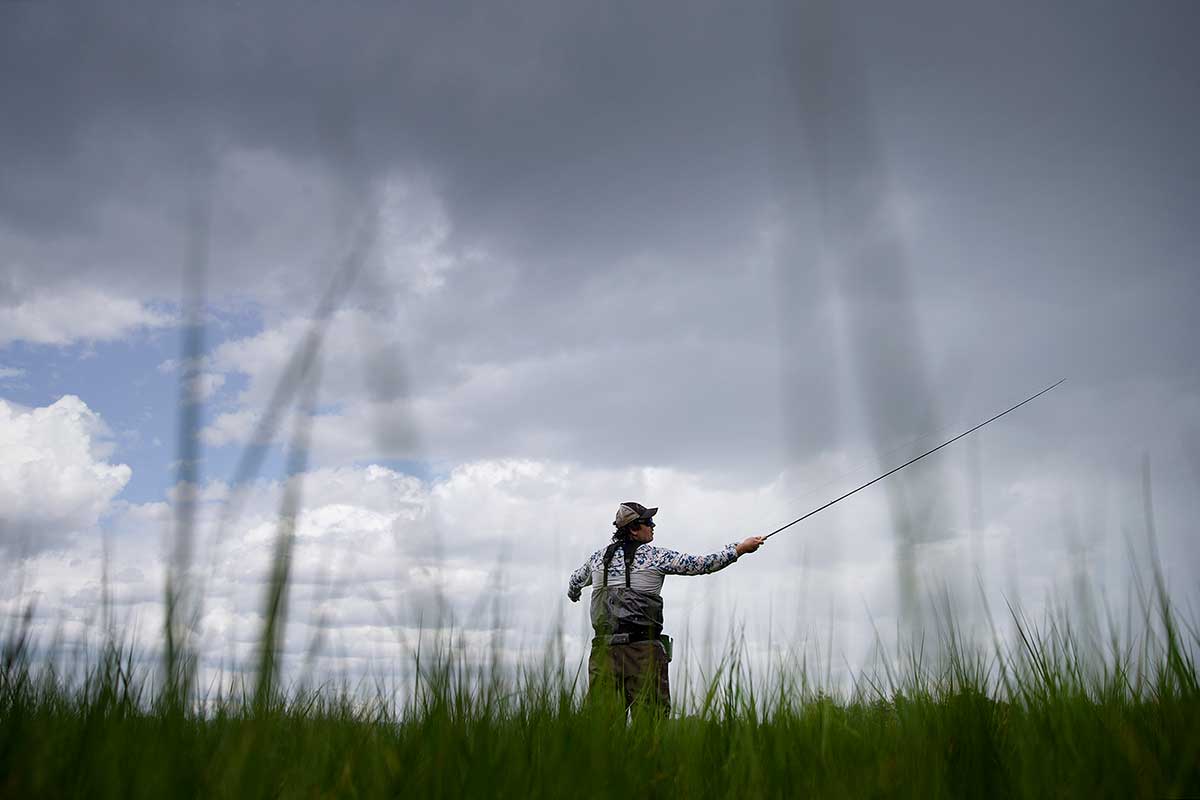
<point>1050,716</point>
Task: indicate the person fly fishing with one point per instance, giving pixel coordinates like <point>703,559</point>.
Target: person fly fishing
<point>630,653</point>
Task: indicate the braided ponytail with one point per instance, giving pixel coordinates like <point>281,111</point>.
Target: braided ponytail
<point>627,545</point>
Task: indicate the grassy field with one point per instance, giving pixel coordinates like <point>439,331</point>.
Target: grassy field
<point>1039,720</point>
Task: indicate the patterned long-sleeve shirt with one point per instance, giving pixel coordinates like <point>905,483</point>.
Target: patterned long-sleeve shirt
<point>640,606</point>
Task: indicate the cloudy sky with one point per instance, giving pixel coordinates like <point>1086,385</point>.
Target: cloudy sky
<point>727,259</point>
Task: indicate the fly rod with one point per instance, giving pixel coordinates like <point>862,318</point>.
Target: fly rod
<point>913,461</point>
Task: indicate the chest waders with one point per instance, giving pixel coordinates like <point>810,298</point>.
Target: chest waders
<point>624,634</point>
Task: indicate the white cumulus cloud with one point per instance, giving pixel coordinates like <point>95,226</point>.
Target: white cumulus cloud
<point>65,314</point>
<point>54,476</point>
<point>380,555</point>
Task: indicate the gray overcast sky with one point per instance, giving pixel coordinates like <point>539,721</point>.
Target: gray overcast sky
<point>735,253</point>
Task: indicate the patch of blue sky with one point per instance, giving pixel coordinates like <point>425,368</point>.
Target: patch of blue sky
<point>126,384</point>
<point>122,383</point>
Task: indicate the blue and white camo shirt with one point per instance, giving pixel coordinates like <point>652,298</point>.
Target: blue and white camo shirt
<point>639,607</point>
<point>650,565</point>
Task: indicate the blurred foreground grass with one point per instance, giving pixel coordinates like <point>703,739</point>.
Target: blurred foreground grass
<point>1037,720</point>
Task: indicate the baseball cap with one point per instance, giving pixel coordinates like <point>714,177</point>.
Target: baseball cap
<point>630,511</point>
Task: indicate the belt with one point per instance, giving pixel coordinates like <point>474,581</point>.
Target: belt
<point>626,638</point>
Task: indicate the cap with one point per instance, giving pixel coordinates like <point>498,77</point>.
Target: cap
<point>629,511</point>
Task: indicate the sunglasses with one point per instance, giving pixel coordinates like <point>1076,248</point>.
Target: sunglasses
<point>647,522</point>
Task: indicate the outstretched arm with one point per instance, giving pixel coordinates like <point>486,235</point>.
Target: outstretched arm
<point>675,563</point>
<point>579,578</point>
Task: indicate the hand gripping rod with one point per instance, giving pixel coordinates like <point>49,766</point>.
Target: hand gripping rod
<point>913,461</point>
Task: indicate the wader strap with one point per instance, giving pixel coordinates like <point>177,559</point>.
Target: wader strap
<point>628,549</point>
